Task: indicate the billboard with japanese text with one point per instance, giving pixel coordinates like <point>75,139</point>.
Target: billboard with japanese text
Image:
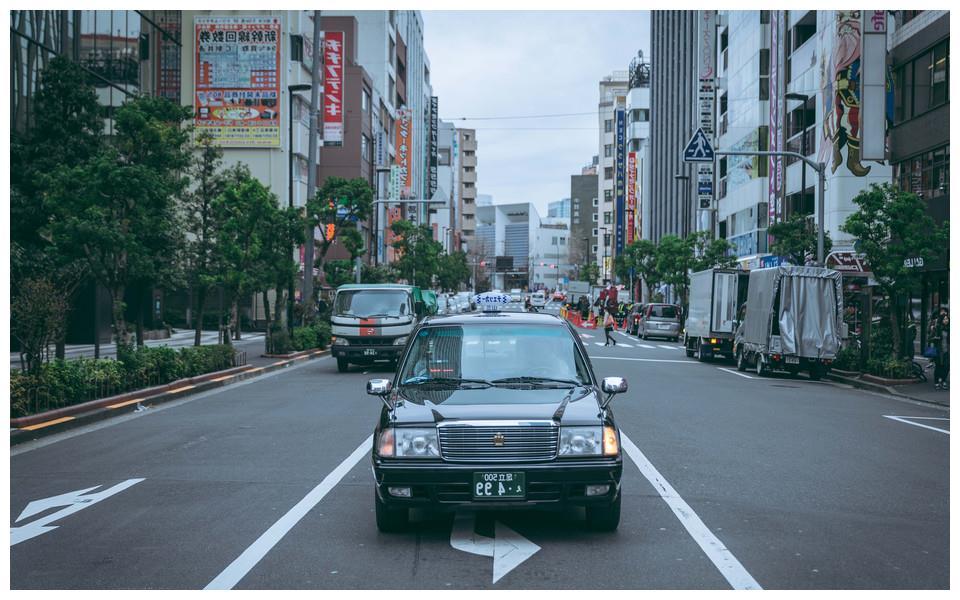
<point>237,80</point>
<point>333,88</point>
<point>404,149</point>
<point>631,195</point>
<point>619,181</point>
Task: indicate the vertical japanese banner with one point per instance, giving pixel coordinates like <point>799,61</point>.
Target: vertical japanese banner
<point>873,93</point>
<point>333,88</point>
<point>237,80</point>
<point>631,195</point>
<point>619,177</point>
<point>775,139</point>
<point>404,149</point>
<point>434,126</point>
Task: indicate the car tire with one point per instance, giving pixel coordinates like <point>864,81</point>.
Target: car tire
<point>741,361</point>
<point>390,520</point>
<point>604,518</point>
<point>687,349</point>
<point>700,355</point>
<point>342,365</point>
<point>760,368</point>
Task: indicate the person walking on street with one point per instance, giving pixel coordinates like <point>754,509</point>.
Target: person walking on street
<point>608,325</point>
<point>941,341</point>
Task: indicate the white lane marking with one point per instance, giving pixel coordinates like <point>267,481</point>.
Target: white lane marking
<point>648,346</point>
<point>598,344</point>
<point>732,372</point>
<point>926,418</point>
<point>508,548</point>
<point>244,563</point>
<point>625,345</point>
<point>669,347</point>
<point>721,557</point>
<point>667,360</point>
<point>903,420</point>
<point>73,501</point>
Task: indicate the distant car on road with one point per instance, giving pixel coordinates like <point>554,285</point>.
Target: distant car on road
<point>659,320</point>
<point>493,412</point>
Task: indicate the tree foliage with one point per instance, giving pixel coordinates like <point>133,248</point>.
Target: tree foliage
<point>339,202</point>
<point>796,240</point>
<point>452,270</point>
<point>709,253</point>
<point>37,316</point>
<point>891,226</point>
<point>419,252</point>
<point>642,257</point>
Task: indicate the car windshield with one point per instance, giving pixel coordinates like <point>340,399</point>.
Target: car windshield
<point>494,352</point>
<point>372,303</point>
<point>663,311</point>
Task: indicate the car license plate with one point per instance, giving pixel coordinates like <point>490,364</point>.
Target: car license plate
<point>369,352</point>
<point>498,485</point>
<point>793,360</point>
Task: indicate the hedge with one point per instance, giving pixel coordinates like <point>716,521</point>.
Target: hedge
<point>313,336</point>
<point>67,382</point>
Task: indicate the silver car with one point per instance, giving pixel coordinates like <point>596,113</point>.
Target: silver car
<point>659,320</point>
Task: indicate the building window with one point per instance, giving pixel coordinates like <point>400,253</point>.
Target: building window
<point>595,232</point>
<point>608,126</point>
<point>594,248</point>
<point>607,217</point>
<point>927,175</point>
<point>607,196</point>
<point>606,240</point>
<point>764,74</point>
<point>468,184</point>
<point>365,148</point>
<point>594,201</point>
<point>922,84</point>
<point>365,101</point>
<point>607,150</point>
<point>608,173</point>
<point>594,217</point>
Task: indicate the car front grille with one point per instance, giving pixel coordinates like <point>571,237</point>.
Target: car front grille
<point>475,443</point>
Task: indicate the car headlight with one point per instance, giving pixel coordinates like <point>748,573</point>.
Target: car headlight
<point>581,441</point>
<point>409,442</point>
<point>400,340</point>
<point>340,341</point>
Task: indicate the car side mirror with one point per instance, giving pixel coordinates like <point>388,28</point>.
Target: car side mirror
<point>612,386</point>
<point>420,307</point>
<point>381,388</point>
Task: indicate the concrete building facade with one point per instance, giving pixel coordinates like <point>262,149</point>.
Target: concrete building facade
<point>612,95</point>
<point>584,206</point>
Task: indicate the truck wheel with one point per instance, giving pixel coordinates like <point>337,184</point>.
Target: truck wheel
<point>816,371</point>
<point>687,348</point>
<point>604,518</point>
<point>700,355</point>
<point>342,365</point>
<point>390,520</point>
<point>741,362</point>
<point>761,369</point>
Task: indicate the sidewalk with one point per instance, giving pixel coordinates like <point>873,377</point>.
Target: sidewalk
<point>925,392</point>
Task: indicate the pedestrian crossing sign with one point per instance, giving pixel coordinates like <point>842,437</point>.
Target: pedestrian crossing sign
<point>698,149</point>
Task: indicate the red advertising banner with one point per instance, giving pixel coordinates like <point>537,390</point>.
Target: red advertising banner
<point>631,181</point>
<point>404,150</point>
<point>237,80</point>
<point>333,88</point>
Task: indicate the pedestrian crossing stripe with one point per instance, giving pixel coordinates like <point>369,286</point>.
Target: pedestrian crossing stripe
<point>598,344</point>
<point>646,346</point>
<point>625,345</point>
<point>669,347</point>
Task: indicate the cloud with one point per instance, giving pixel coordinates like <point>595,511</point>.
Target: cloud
<point>505,63</point>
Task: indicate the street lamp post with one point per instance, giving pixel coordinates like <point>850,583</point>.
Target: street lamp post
<point>604,230</point>
<point>803,140</point>
<point>586,253</point>
<point>686,201</point>
<point>300,87</point>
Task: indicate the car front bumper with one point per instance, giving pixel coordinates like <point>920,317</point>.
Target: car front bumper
<point>363,353</point>
<point>445,486</point>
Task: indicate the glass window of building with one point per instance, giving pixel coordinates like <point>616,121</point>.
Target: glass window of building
<point>608,173</point>
<point>607,150</point>
<point>608,126</point>
<point>607,218</point>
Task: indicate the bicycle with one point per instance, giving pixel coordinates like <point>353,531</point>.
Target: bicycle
<point>917,371</point>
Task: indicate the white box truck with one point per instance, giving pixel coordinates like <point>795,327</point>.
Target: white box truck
<point>715,295</point>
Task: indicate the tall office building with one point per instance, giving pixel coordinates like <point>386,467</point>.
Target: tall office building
<point>560,208</point>
<point>672,94</point>
<point>466,188</point>
<point>612,97</point>
<point>638,147</point>
<point>583,217</point>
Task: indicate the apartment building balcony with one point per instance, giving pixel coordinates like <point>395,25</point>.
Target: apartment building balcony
<point>469,145</point>
<point>469,160</point>
<point>468,176</point>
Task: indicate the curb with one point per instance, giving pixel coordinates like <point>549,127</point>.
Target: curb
<point>32,427</point>
<point>879,388</point>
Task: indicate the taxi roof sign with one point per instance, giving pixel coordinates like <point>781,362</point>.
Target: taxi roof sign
<point>491,302</point>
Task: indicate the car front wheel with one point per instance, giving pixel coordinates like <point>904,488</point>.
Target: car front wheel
<point>342,365</point>
<point>604,518</point>
<point>389,520</point>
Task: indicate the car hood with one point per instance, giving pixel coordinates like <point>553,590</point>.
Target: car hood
<point>419,406</point>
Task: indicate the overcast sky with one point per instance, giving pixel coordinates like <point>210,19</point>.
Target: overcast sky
<point>502,63</point>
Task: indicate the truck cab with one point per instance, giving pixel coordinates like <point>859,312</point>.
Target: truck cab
<point>371,322</point>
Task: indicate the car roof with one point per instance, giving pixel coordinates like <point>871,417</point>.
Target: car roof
<point>495,318</point>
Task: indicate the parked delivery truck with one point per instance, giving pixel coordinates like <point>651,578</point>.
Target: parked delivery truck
<point>792,321</point>
<point>711,320</point>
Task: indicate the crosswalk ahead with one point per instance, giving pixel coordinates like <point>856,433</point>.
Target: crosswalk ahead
<point>589,338</point>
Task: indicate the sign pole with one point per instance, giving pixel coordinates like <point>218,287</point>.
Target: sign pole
<point>315,79</point>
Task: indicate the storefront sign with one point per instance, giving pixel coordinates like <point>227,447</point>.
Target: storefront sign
<point>913,262</point>
<point>847,262</point>
<point>619,185</point>
<point>775,140</point>
<point>333,88</point>
<point>237,80</point>
<point>434,125</point>
<point>404,151</point>
<point>631,195</point>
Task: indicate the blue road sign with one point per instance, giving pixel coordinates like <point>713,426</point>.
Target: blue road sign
<point>698,148</point>
<point>705,188</point>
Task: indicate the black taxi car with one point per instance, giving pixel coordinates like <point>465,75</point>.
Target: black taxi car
<point>496,410</point>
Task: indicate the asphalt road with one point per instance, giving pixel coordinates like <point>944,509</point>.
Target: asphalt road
<point>783,482</point>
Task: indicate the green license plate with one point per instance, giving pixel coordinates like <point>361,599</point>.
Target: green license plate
<point>498,485</point>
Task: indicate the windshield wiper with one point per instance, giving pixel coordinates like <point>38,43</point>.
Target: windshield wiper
<point>527,379</point>
<point>423,380</point>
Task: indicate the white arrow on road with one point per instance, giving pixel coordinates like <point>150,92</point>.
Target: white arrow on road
<point>508,548</point>
<point>73,501</point>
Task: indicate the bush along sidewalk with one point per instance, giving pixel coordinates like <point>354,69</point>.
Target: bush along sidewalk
<point>61,383</point>
<point>316,336</point>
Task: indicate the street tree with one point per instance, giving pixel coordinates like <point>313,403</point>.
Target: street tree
<point>340,202</point>
<point>642,256</point>
<point>116,211</point>
<point>890,227</point>
<point>65,132</point>
<point>674,259</point>
<point>452,270</point>
<point>419,252</point>
<point>37,315</point>
<point>281,229</point>
<point>338,272</point>
<point>242,209</point>
<point>796,239</point>
<point>202,264</point>
<point>709,253</point>
<point>590,272</point>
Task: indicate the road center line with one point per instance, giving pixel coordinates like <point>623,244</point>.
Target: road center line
<point>732,372</point>
<point>902,420</point>
<point>244,563</point>
<point>724,560</point>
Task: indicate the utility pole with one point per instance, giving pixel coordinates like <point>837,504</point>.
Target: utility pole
<point>290,94</point>
<point>316,82</point>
